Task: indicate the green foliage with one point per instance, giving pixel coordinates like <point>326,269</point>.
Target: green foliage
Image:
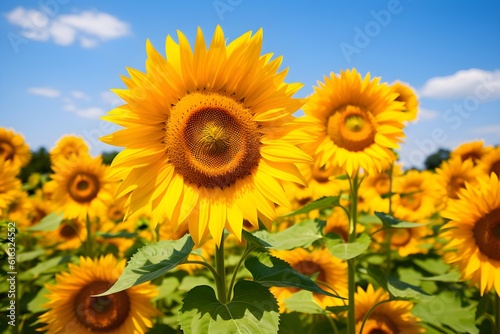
<point>299,235</point>
<point>271,271</point>
<point>393,222</point>
<point>39,163</point>
<point>48,223</point>
<point>252,310</point>
<point>348,250</point>
<point>434,160</point>
<point>327,202</point>
<point>152,261</point>
<point>107,157</point>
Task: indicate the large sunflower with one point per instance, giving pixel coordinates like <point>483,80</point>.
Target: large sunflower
<point>69,147</point>
<point>407,95</point>
<point>331,275</point>
<point>358,122</point>
<point>490,162</point>
<point>209,135</point>
<point>474,232</point>
<point>13,148</point>
<point>72,310</point>
<point>81,187</point>
<point>388,318</point>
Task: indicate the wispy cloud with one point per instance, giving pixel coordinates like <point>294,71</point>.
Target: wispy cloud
<point>78,94</point>
<point>89,28</point>
<point>489,129</point>
<point>44,91</point>
<point>111,99</point>
<point>427,114</point>
<point>483,85</point>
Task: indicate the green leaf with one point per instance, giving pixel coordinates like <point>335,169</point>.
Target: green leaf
<point>27,256</point>
<point>252,310</point>
<point>435,266</point>
<point>48,223</point>
<point>348,250</point>
<point>342,177</point>
<point>446,309</point>
<point>254,240</point>
<point>121,234</point>
<point>272,271</point>
<point>319,204</point>
<point>368,219</point>
<point>452,276</point>
<point>393,222</point>
<point>299,235</point>
<point>152,261</point>
<point>44,267</point>
<point>303,302</point>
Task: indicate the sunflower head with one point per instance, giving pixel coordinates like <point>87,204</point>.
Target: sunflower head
<point>209,135</point>
<point>453,174</point>
<point>81,187</point>
<point>10,185</point>
<point>358,121</point>
<point>473,233</point>
<point>69,147</point>
<point>13,148</point>
<point>490,162</point>
<point>406,94</point>
<point>73,309</point>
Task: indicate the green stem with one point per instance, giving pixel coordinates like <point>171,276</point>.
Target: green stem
<point>88,245</point>
<point>332,324</point>
<point>207,265</point>
<point>367,315</point>
<point>351,265</point>
<point>220,281</point>
<point>497,311</point>
<point>233,279</point>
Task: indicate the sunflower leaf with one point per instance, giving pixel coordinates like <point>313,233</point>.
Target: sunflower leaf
<point>445,310</point>
<point>299,235</point>
<point>303,302</point>
<point>152,261</point>
<point>48,223</point>
<point>393,222</point>
<point>347,250</point>
<point>327,202</point>
<point>253,309</point>
<point>272,271</point>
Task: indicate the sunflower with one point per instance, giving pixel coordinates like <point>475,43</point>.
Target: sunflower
<point>490,162</point>
<point>13,148</point>
<point>20,209</point>
<point>358,121</point>
<point>474,232</point>
<point>73,310</point>
<point>70,234</point>
<point>209,135</point>
<point>389,317</point>
<point>69,147</point>
<point>338,223</point>
<point>377,187</point>
<point>474,150</point>
<point>417,194</point>
<point>406,240</point>
<point>81,187</point>
<point>10,185</point>
<point>408,96</point>
<point>452,176</point>
<point>331,275</point>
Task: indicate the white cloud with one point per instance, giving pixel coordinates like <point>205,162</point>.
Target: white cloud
<point>111,99</point>
<point>427,114</point>
<point>88,27</point>
<point>44,91</point>
<point>78,94</point>
<point>489,129</point>
<point>92,112</point>
<point>483,85</point>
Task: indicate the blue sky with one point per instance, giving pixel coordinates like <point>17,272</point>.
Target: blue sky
<point>59,58</point>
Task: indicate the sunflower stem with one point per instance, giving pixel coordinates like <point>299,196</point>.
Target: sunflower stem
<point>496,295</point>
<point>220,281</point>
<point>351,319</point>
<point>246,252</point>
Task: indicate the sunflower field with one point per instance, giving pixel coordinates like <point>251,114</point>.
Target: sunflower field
<point>226,213</point>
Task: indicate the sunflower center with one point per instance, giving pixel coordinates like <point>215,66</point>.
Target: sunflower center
<point>495,168</point>
<point>101,314</point>
<point>83,187</point>
<point>412,198</point>
<point>487,234</point>
<point>310,268</point>
<point>342,232</point>
<point>382,184</point>
<point>212,140</point>
<point>321,174</point>
<point>6,150</point>
<point>456,183</point>
<point>400,236</point>
<point>475,156</point>
<point>67,231</point>
<point>352,128</point>
<point>115,213</point>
